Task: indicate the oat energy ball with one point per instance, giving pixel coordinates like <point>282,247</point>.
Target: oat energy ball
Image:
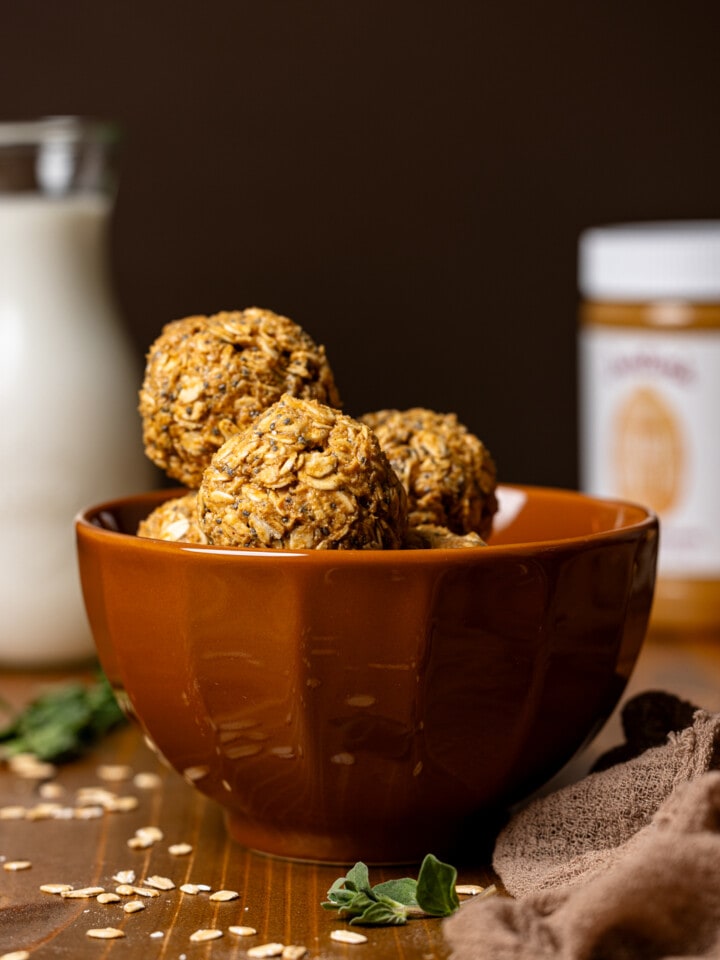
<point>428,536</point>
<point>448,474</point>
<point>303,476</point>
<point>208,377</point>
<point>175,519</point>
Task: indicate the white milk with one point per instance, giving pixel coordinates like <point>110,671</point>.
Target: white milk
<point>70,434</point>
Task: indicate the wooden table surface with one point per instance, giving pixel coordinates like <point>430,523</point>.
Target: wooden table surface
<point>280,900</point>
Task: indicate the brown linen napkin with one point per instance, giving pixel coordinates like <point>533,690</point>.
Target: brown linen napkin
<point>569,835</point>
<point>623,864</point>
<point>660,898</point>
<point>647,720</point>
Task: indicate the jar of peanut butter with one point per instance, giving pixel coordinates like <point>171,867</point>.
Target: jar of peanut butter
<point>649,397</point>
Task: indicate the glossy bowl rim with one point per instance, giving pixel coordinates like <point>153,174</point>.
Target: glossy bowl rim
<point>645,519</point>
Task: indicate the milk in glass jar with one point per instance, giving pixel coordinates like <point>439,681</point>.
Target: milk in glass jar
<point>649,377</point>
<point>69,430</point>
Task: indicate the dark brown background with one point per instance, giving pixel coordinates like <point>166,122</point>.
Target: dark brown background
<point>407,179</point>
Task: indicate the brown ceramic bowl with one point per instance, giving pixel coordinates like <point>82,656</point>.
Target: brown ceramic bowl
<point>371,704</point>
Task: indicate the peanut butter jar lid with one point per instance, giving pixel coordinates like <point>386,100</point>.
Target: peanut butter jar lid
<point>651,261</point>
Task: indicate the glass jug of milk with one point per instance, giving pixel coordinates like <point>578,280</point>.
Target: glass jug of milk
<point>69,431</point>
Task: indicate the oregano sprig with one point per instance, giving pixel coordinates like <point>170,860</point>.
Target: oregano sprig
<point>394,902</point>
<point>62,723</point>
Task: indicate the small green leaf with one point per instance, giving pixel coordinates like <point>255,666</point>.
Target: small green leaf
<point>381,913</point>
<point>345,889</point>
<point>436,887</point>
<point>357,906</point>
<point>358,878</point>
<point>338,896</point>
<point>403,891</point>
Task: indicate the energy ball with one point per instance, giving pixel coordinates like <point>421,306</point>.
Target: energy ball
<point>206,378</point>
<point>448,474</point>
<point>175,519</point>
<point>428,536</point>
<point>303,476</point>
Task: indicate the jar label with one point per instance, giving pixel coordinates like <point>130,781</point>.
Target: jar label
<point>650,432</point>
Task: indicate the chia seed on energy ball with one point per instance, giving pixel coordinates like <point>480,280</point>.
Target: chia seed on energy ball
<point>208,377</point>
<point>303,476</point>
<point>447,472</point>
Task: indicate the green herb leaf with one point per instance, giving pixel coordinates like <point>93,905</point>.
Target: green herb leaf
<point>338,896</point>
<point>358,878</point>
<point>381,913</point>
<point>436,893</point>
<point>63,723</point>
<point>394,901</point>
<point>404,891</point>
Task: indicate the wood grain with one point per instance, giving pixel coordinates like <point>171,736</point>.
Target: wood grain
<point>280,899</point>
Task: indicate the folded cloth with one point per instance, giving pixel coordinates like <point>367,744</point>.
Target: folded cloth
<point>660,898</point>
<point>623,864</point>
<point>647,720</point>
<point>570,834</point>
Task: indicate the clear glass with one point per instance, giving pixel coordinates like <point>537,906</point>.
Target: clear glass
<point>69,429</point>
<point>58,156</point>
